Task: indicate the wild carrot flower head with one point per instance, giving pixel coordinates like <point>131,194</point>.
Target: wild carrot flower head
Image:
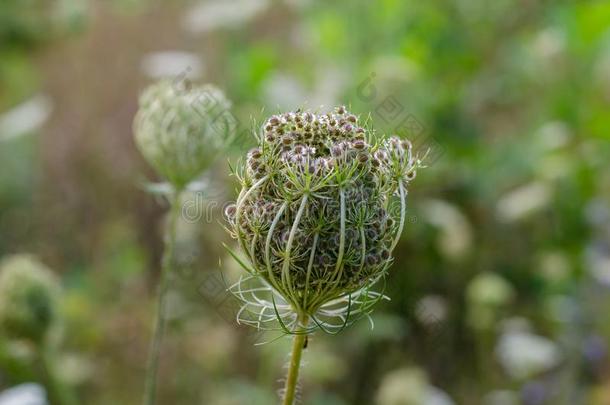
<point>316,215</point>
<point>181,130</point>
<point>28,298</point>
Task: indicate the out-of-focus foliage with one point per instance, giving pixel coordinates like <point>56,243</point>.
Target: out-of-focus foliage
<point>28,24</point>
<point>31,21</point>
<point>512,100</point>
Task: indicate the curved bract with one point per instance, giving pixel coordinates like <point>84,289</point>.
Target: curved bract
<point>321,209</point>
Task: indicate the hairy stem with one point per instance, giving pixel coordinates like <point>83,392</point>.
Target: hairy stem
<point>150,389</point>
<point>298,344</point>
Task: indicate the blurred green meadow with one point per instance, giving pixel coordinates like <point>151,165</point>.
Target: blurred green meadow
<point>500,290</point>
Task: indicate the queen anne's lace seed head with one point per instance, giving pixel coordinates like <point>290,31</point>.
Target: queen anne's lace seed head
<point>328,188</point>
<point>28,298</point>
<point>180,131</point>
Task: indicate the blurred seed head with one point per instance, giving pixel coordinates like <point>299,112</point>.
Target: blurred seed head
<point>28,298</point>
<point>180,129</point>
<point>524,201</point>
<point>409,386</point>
<point>455,231</point>
<point>487,295</point>
<point>524,355</point>
<point>431,310</point>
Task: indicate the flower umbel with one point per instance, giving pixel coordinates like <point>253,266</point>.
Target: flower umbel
<point>181,130</point>
<point>321,209</point>
<point>29,296</point>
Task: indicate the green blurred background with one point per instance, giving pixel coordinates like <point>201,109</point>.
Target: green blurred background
<point>500,289</point>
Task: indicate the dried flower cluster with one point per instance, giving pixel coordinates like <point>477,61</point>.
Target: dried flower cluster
<point>180,131</point>
<point>315,215</point>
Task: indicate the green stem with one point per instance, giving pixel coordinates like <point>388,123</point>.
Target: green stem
<point>58,393</point>
<point>150,389</point>
<point>298,344</point>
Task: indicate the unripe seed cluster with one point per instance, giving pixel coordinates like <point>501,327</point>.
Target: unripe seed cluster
<point>181,130</point>
<point>29,296</point>
<point>314,215</point>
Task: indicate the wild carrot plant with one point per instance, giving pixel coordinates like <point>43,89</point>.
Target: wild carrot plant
<point>321,208</point>
<point>179,131</point>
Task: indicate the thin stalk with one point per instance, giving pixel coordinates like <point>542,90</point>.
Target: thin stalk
<point>150,389</point>
<point>298,344</point>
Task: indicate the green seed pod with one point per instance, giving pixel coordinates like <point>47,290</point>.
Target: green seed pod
<point>180,131</point>
<point>28,298</point>
<point>315,216</point>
